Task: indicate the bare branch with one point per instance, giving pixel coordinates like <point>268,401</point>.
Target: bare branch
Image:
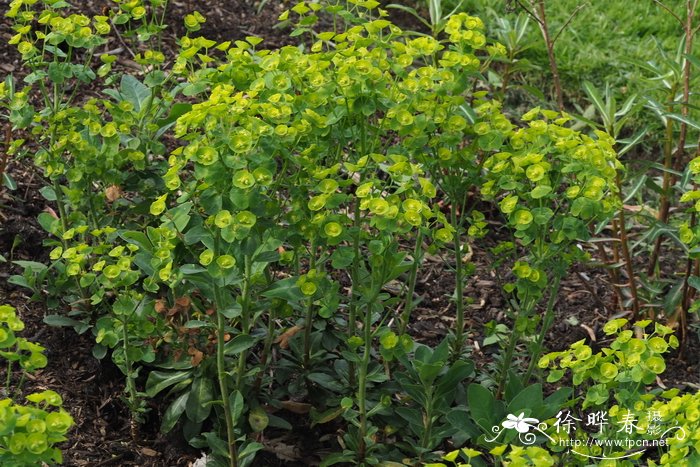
<point>531,13</point>
<point>670,11</point>
<point>571,17</point>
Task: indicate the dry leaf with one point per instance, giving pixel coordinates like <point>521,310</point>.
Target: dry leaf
<point>184,303</point>
<point>113,193</point>
<point>51,212</point>
<point>197,356</point>
<point>283,339</point>
<point>149,452</point>
<point>160,306</point>
<point>299,408</point>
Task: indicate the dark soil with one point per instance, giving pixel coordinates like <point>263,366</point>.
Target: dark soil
<point>92,388</point>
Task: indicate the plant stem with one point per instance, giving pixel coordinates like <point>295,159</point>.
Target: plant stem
<point>245,318</point>
<point>308,321</point>
<point>668,179</point>
<point>355,279</point>
<point>408,306</point>
<point>427,421</point>
<point>624,244</point>
<point>130,383</point>
<point>222,377</point>
<point>538,11</point>
<point>362,378</point>
<point>546,325</point>
<point>524,310</point>
<point>676,159</point>
<point>267,346</point>
<point>459,285</point>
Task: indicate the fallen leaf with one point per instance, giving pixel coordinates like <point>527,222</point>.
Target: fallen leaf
<point>113,193</point>
<point>149,452</point>
<point>51,212</point>
<point>197,356</point>
<point>299,408</point>
<point>283,339</point>
<point>160,306</point>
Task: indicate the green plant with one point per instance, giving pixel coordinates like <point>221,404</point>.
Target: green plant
<point>431,384</point>
<point>28,433</point>
<point>620,375</point>
<point>551,185</point>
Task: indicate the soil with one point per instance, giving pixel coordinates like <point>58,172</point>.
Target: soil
<point>91,388</point>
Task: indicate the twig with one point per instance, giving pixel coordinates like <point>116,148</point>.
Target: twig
<point>528,11</point>
<point>121,39</point>
<point>571,17</point>
<point>669,10</point>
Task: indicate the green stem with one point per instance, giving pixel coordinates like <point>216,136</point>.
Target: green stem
<point>245,318</point>
<point>130,383</point>
<point>8,382</point>
<point>546,325</point>
<point>459,284</point>
<point>267,346</point>
<point>428,421</point>
<point>512,342</point>
<point>355,279</point>
<point>362,378</point>
<point>222,377</point>
<point>408,306</point>
<point>308,321</point>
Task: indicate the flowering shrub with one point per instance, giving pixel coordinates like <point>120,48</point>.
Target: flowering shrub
<point>280,214</point>
<point>28,432</point>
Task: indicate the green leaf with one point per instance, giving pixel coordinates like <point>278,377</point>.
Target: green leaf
<point>176,111</point>
<point>529,398</point>
<point>238,344</point>
<point>342,257</point>
<point>326,381</point>
<point>32,266</point>
<point>8,181</point>
<point>134,91</point>
<point>237,404</point>
<point>456,374</point>
<point>58,321</point>
<point>285,289</point>
<point>160,380</point>
<point>48,222</point>
<point>540,191</point>
<point>694,282</point>
<point>258,419</point>
<point>673,298</point>
<point>198,405</point>
<point>137,238</point>
<point>597,101</point>
<point>686,120</point>
<point>173,413</point>
<point>482,406</point>
<point>20,281</point>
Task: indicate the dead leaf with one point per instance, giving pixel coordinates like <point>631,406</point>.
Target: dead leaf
<point>51,212</point>
<point>160,306</point>
<point>283,339</point>
<point>113,193</point>
<point>299,408</point>
<point>149,452</point>
<point>283,451</point>
<point>184,303</point>
<point>197,356</point>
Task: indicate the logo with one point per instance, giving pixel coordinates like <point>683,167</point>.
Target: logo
<point>625,433</point>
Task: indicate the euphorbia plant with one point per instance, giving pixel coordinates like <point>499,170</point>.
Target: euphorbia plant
<point>551,182</point>
<point>28,432</point>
